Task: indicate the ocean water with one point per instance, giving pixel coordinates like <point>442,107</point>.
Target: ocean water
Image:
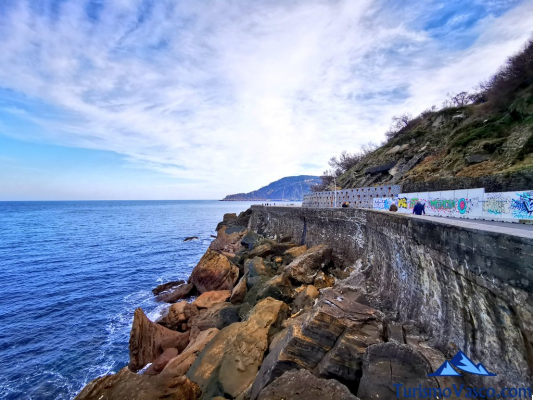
<point>71,276</point>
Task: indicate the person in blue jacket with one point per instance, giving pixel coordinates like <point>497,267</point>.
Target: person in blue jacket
<point>419,208</point>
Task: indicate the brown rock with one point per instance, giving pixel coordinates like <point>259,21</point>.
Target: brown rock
<point>229,362</point>
<point>302,385</point>
<point>166,286</point>
<point>179,365</point>
<point>294,252</point>
<point>305,344</point>
<point>161,361</point>
<point>177,315</point>
<point>175,294</point>
<point>305,299</point>
<point>148,340</point>
<point>127,385</point>
<point>389,363</point>
<point>208,299</point>
<point>305,267</point>
<point>228,239</point>
<point>278,287</point>
<point>262,251</point>
<point>323,281</point>
<point>218,316</point>
<point>239,292</point>
<point>214,272</point>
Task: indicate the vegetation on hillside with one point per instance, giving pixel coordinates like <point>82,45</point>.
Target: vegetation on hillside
<point>474,134</point>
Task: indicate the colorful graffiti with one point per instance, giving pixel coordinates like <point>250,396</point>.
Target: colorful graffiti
<point>442,204</point>
<point>522,207</point>
<point>497,204</point>
<point>402,202</point>
<point>462,206</point>
<point>380,203</point>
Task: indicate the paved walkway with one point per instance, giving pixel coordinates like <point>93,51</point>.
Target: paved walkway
<point>523,230</point>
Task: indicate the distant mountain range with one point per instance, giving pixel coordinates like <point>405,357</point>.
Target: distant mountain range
<point>291,188</point>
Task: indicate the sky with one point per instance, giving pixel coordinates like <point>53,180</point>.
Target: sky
<point>168,99</point>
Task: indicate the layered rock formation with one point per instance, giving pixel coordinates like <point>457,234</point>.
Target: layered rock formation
<point>349,314</point>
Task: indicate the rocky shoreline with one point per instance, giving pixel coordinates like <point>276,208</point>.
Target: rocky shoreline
<point>271,319</point>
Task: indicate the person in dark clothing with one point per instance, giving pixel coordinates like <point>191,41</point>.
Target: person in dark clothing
<point>419,208</point>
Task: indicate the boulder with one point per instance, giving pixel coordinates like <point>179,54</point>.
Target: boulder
<point>226,219</point>
<point>262,251</point>
<point>148,340</point>
<point>391,363</point>
<point>166,286</point>
<point>250,239</point>
<point>294,252</point>
<point>161,361</point>
<point>302,385</point>
<point>179,365</point>
<point>175,294</point>
<point>239,291</point>
<point>214,272</point>
<point>278,287</point>
<point>304,343</point>
<point>229,363</point>
<point>177,316</point>
<point>188,239</point>
<point>305,299</point>
<point>228,239</point>
<point>257,271</point>
<point>208,299</point>
<point>127,385</point>
<point>323,280</point>
<point>218,316</point>
<point>305,267</point>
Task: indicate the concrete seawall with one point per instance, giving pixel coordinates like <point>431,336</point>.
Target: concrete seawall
<point>468,289</point>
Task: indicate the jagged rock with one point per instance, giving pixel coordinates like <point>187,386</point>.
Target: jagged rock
<point>218,316</point>
<point>293,253</point>
<point>227,219</point>
<point>305,267</point>
<point>208,299</point>
<point>305,343</point>
<point>161,361</point>
<point>175,294</point>
<point>477,158</point>
<point>127,385</point>
<point>177,316</point>
<point>262,251</point>
<point>228,239</point>
<point>278,287</point>
<point>257,271</point>
<point>285,239</point>
<point>239,291</point>
<point>179,365</point>
<point>188,239</point>
<point>388,363</point>
<point>250,239</point>
<point>166,286</point>
<point>229,363</point>
<point>323,281</point>
<point>214,272</point>
<point>302,385</point>
<point>305,298</point>
<point>148,340</point>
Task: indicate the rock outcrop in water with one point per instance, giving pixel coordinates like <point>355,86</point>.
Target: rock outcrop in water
<point>279,320</point>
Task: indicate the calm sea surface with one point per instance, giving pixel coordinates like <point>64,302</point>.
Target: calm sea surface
<point>71,275</point>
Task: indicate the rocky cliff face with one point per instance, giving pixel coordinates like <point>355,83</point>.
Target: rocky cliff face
<point>454,148</point>
<point>304,302</point>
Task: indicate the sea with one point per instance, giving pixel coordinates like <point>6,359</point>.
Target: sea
<point>73,273</point>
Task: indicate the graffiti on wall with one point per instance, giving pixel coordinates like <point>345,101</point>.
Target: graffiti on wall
<point>402,202</point>
<point>497,204</point>
<point>522,205</point>
<point>381,203</point>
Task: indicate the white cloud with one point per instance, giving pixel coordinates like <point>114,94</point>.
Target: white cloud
<point>237,94</point>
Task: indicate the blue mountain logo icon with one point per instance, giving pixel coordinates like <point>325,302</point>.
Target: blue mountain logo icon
<point>462,363</point>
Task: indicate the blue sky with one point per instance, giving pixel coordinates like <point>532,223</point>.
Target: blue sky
<point>137,99</point>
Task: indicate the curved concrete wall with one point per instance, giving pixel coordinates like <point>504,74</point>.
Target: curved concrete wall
<point>467,289</point>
